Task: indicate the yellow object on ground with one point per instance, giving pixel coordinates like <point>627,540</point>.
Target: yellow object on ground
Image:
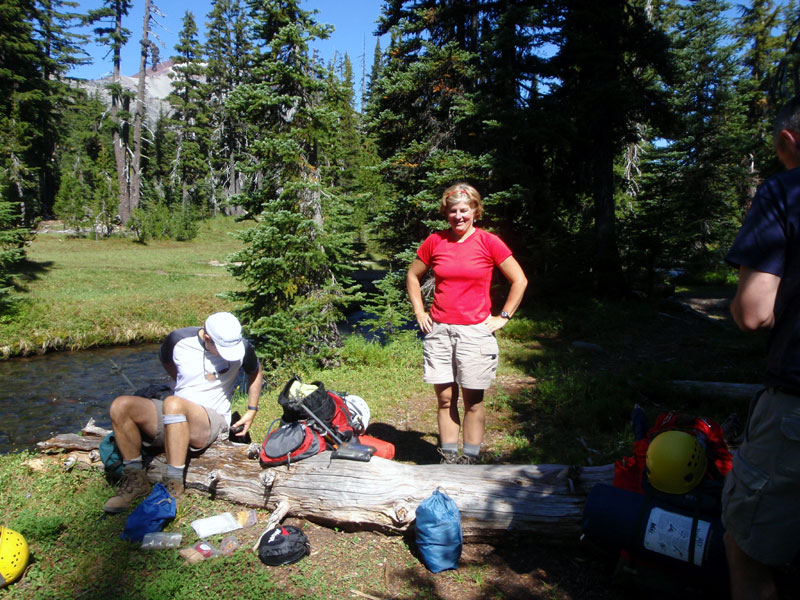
<point>14,556</point>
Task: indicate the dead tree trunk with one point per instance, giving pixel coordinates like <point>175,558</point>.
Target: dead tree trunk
<point>383,495</point>
<point>715,389</point>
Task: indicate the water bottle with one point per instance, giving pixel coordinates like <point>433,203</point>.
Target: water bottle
<point>159,540</point>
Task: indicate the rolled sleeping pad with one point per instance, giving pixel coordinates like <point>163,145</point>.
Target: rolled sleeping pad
<point>658,532</point>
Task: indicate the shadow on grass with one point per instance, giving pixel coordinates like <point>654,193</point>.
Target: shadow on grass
<point>410,446</point>
<point>29,270</point>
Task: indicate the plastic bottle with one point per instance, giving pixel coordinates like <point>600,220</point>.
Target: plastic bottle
<point>159,540</point>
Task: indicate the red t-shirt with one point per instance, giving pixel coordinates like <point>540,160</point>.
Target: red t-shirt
<point>463,274</point>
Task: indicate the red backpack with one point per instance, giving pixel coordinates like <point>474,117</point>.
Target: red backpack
<point>628,471</point>
<point>289,443</point>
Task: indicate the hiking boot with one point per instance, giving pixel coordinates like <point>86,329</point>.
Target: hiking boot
<point>466,459</point>
<point>448,458</point>
<point>134,485</point>
<point>175,488</point>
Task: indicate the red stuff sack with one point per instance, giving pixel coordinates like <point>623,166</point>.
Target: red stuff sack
<point>382,449</point>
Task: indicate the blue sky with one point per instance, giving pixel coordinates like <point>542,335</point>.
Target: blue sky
<point>354,22</point>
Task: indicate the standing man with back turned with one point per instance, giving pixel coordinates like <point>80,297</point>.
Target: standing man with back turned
<point>204,362</point>
<point>762,492</point>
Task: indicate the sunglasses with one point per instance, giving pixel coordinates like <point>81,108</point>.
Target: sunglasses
<point>214,375</point>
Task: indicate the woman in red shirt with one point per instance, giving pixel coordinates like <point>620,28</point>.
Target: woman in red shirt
<point>460,350</point>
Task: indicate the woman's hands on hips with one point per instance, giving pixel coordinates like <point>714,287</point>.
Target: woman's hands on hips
<point>495,323</point>
<point>425,322</point>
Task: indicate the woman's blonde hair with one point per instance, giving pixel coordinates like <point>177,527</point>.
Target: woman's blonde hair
<point>461,192</point>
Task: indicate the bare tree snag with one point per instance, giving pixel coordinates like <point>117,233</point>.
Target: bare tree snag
<point>383,495</point>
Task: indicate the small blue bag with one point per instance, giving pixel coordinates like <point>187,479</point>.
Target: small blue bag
<point>439,535</point>
<point>151,515</point>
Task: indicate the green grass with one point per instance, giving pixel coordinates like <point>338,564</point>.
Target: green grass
<point>79,293</point>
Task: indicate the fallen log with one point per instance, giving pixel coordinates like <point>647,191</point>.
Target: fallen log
<point>720,390</point>
<point>383,495</point>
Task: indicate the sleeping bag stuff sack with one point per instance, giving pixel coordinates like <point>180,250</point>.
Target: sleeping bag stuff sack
<point>681,541</point>
<point>439,535</point>
<point>151,515</point>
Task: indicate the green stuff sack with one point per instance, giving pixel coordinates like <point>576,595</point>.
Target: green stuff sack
<point>112,459</point>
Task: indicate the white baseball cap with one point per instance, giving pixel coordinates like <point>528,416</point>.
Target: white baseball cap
<point>226,333</point>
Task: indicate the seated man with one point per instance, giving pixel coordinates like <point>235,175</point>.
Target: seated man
<point>204,362</point>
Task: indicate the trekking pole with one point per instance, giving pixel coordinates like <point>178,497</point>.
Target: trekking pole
<point>117,369</point>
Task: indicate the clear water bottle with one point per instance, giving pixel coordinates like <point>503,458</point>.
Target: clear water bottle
<point>158,540</point>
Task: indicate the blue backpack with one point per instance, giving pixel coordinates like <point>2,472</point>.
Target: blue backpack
<point>151,515</point>
<point>439,536</point>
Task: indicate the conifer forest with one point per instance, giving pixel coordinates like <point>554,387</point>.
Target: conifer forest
<point>612,140</point>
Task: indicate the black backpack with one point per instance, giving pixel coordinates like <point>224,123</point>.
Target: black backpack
<point>283,546</point>
<point>318,402</point>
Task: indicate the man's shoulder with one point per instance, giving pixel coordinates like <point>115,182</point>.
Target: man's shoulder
<point>785,183</point>
<point>183,336</point>
<point>183,333</point>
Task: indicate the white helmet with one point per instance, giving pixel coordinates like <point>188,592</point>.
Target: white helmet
<point>359,412</point>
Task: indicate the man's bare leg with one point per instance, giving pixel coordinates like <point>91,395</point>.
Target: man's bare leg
<point>750,579</point>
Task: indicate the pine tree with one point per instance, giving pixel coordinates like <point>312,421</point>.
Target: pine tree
<point>12,248</point>
<point>228,49</point>
<point>606,66</point>
<point>292,262</point>
<point>60,49</point>
<point>692,188</point>
<point>190,119</point>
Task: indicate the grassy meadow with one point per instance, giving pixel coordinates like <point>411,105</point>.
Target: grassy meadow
<point>80,293</point>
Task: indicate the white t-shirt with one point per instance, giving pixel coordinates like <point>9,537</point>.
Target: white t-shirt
<point>204,377</point>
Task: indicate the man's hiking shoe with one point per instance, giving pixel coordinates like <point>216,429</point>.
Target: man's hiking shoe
<point>175,488</point>
<point>134,485</point>
<point>466,459</point>
<point>448,458</point>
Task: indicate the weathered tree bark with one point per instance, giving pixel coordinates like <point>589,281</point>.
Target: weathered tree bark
<point>138,113</point>
<point>716,389</point>
<point>383,495</point>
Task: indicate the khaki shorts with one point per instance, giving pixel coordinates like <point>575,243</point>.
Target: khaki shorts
<point>762,492</point>
<point>218,427</point>
<point>464,354</point>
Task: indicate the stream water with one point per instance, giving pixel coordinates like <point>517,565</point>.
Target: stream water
<point>59,392</point>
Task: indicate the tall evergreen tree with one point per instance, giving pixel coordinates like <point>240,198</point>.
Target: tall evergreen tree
<point>292,262</point>
<point>12,250</point>
<point>228,50</point>
<point>693,190</point>
<point>190,118</point>
<point>20,96</point>
<point>606,65</point>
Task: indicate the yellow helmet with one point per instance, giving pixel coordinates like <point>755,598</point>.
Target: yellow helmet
<point>13,555</point>
<point>675,462</point>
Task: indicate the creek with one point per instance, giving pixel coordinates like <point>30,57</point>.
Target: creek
<point>41,396</point>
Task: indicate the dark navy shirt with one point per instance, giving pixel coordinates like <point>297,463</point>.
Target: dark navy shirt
<point>769,241</point>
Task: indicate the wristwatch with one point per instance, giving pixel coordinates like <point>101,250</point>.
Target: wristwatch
<point>505,315</point>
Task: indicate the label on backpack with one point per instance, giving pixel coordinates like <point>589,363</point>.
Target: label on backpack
<point>670,534</point>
